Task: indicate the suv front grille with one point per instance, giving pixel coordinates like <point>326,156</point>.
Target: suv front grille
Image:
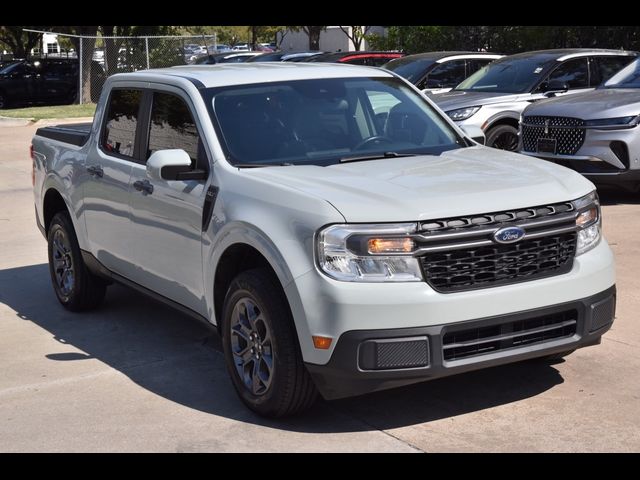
<point>472,342</point>
<point>496,265</point>
<point>568,133</point>
<point>458,254</point>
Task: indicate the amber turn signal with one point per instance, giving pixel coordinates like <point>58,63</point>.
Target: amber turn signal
<point>391,245</point>
<point>322,343</point>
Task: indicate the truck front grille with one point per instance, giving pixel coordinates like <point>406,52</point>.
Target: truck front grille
<point>459,254</point>
<point>568,133</point>
<point>475,341</point>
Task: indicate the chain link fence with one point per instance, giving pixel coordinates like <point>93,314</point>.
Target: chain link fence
<point>100,57</point>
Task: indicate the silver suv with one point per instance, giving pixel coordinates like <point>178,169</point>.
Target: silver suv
<point>595,133</point>
<point>494,96</point>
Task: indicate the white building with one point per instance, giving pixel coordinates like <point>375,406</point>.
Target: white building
<point>331,40</point>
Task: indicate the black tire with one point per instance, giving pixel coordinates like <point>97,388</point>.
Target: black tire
<point>503,137</point>
<point>4,101</point>
<point>558,356</point>
<point>290,389</point>
<point>77,289</point>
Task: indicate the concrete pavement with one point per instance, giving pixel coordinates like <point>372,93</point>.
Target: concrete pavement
<point>137,376</point>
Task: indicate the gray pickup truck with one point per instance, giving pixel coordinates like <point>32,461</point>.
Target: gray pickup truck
<point>340,231</point>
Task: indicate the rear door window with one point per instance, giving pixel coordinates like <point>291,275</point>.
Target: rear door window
<point>122,122</point>
<point>606,67</point>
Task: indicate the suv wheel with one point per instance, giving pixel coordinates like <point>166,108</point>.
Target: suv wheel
<point>4,102</point>
<point>76,288</point>
<point>503,137</point>
<point>261,347</point>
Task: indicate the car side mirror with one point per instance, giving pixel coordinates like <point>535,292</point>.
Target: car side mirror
<point>174,164</point>
<point>554,86</point>
<point>475,133</point>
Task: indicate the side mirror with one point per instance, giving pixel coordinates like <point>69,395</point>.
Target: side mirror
<point>475,133</point>
<point>172,164</point>
<point>554,86</point>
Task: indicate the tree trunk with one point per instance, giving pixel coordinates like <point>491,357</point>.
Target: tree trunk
<point>314,37</point>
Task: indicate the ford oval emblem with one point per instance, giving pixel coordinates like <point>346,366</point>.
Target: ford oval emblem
<point>509,235</point>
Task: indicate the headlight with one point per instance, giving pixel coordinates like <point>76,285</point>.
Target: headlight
<point>630,121</point>
<point>588,222</point>
<point>462,113</point>
<point>369,253</point>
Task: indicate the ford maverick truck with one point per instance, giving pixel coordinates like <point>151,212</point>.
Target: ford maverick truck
<point>338,229</point>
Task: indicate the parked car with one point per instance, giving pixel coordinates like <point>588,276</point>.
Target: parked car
<point>494,97</point>
<point>45,81</point>
<point>241,46</point>
<point>285,56</point>
<point>439,72</point>
<point>595,133</point>
<point>226,57</point>
<point>372,59</point>
<point>340,231</point>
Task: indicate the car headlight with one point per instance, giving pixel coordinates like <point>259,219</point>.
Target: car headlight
<point>369,253</point>
<point>630,121</point>
<point>588,222</point>
<point>462,113</point>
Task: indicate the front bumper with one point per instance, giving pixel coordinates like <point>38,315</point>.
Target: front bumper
<point>355,367</point>
<point>599,160</point>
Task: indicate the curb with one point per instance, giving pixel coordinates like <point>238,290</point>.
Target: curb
<point>24,122</point>
<point>15,122</point>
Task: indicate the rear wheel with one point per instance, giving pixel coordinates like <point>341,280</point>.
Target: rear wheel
<point>503,137</point>
<point>261,347</point>
<point>75,286</point>
<point>4,101</point>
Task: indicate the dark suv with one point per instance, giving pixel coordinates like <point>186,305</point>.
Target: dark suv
<point>44,81</point>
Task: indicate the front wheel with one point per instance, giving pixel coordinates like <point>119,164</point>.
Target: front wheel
<point>503,137</point>
<point>75,286</point>
<point>261,347</point>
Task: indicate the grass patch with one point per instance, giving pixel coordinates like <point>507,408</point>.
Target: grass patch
<point>56,111</point>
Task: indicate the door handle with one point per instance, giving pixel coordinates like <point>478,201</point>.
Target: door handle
<point>143,186</point>
<point>95,171</point>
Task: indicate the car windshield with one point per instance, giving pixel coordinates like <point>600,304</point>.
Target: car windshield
<point>9,68</point>
<point>411,69</point>
<point>628,77</point>
<point>325,121</point>
<point>513,75</point>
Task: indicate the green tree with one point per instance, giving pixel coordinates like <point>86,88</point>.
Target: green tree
<point>313,32</point>
<point>18,41</point>
<point>356,34</point>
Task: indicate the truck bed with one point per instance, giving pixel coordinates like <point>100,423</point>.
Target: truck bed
<point>73,133</point>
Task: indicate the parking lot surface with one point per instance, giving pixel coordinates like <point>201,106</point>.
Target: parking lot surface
<point>138,376</point>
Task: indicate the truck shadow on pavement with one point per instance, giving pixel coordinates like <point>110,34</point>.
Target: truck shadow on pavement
<point>180,359</point>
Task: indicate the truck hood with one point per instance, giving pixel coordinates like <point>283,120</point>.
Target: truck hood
<point>461,99</point>
<point>466,181</point>
<point>596,104</point>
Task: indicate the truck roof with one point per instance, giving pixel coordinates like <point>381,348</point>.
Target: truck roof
<point>247,73</point>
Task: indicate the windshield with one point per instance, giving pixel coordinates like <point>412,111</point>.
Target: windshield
<point>324,121</point>
<point>8,68</point>
<point>628,77</point>
<point>515,75</point>
<point>411,69</point>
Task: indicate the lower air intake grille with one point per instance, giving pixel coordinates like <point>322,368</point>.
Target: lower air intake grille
<point>483,340</point>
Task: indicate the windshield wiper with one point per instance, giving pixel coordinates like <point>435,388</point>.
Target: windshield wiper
<point>377,156</point>
<point>258,165</point>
